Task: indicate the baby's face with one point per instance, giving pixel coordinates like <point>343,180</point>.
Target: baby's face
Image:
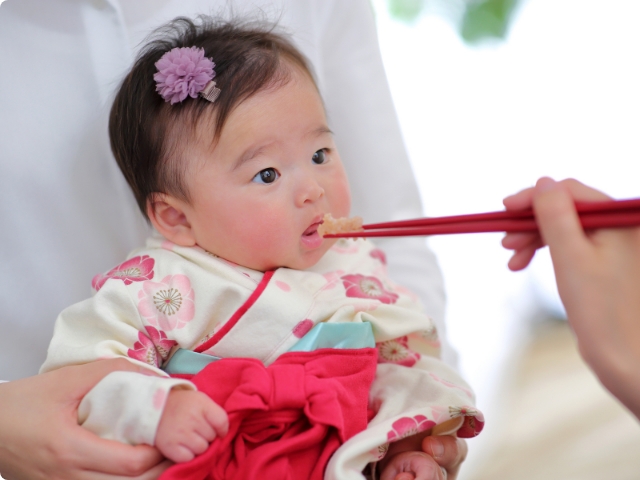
<point>259,195</point>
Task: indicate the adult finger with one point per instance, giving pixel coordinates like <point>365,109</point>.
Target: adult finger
<point>111,457</point>
<point>521,258</point>
<point>134,470</point>
<point>519,201</point>
<point>581,192</point>
<point>151,474</point>
<point>558,220</point>
<point>94,453</point>
<point>448,451</point>
<point>85,377</point>
<point>518,240</point>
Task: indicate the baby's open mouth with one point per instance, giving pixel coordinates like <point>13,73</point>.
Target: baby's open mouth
<point>311,238</point>
<point>312,229</point>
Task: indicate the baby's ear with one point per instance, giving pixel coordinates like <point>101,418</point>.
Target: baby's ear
<point>168,216</point>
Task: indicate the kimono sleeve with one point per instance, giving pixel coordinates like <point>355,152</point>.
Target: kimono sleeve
<point>107,325</point>
<point>123,406</point>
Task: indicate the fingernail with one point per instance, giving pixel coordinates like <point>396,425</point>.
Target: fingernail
<point>437,448</point>
<point>545,183</point>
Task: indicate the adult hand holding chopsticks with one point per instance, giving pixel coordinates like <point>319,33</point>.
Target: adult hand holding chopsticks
<point>598,277</point>
<point>595,213</point>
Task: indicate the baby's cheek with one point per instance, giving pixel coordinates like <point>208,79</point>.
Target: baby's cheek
<point>266,238</point>
<point>266,244</point>
<point>340,199</point>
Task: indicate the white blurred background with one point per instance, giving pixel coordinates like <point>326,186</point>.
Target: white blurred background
<point>559,96</point>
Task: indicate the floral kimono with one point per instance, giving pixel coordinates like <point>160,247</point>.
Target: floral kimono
<point>338,360</point>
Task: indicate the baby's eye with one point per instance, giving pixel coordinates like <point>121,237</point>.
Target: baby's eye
<point>268,175</point>
<point>319,157</point>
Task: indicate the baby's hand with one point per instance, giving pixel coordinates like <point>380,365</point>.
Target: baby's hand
<point>409,466</point>
<point>190,422</point>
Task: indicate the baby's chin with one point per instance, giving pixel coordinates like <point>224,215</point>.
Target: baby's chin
<point>306,259</point>
<point>301,260</point>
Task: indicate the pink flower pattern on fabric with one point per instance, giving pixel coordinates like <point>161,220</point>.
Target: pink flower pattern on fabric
<point>378,255</point>
<point>136,269</point>
<point>397,351</point>
<point>407,426</point>
<point>302,328</point>
<point>168,304</point>
<point>285,287</point>
<point>152,349</point>
<point>361,286</point>
<point>332,279</point>
<point>473,422</point>
<point>379,452</point>
<point>466,391</point>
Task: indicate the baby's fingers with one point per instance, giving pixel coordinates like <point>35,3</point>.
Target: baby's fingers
<point>412,465</point>
<point>183,452</point>
<point>217,419</point>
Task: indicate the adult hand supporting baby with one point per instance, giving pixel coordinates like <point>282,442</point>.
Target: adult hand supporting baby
<point>424,458</point>
<point>40,437</point>
<point>598,277</point>
<point>448,451</point>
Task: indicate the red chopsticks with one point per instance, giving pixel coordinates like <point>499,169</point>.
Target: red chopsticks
<point>607,214</point>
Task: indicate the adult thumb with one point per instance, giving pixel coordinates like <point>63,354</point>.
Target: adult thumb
<point>82,378</point>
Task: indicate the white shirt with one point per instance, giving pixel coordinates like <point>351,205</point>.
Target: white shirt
<point>65,210</point>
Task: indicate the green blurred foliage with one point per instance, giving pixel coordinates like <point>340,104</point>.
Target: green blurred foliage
<point>489,19</point>
<point>475,20</point>
<point>406,10</point>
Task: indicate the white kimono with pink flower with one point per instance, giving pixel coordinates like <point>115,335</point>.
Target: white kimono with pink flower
<point>166,297</point>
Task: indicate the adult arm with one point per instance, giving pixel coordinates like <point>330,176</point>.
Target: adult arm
<point>598,277</point>
<point>47,442</point>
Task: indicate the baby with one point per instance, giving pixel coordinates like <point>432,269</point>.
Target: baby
<point>272,352</point>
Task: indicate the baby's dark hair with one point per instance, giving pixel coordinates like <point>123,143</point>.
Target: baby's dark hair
<point>149,135</point>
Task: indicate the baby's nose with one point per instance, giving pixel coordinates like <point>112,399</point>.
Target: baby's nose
<point>310,190</point>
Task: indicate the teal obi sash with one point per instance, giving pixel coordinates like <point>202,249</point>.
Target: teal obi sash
<point>323,335</point>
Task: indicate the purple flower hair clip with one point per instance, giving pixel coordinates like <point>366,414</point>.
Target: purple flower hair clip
<point>185,71</point>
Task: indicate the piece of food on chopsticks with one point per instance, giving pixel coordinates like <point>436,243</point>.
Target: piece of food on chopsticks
<point>603,214</point>
<point>332,225</point>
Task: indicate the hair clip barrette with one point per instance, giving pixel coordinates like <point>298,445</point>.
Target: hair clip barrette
<point>185,71</point>
<point>210,91</point>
